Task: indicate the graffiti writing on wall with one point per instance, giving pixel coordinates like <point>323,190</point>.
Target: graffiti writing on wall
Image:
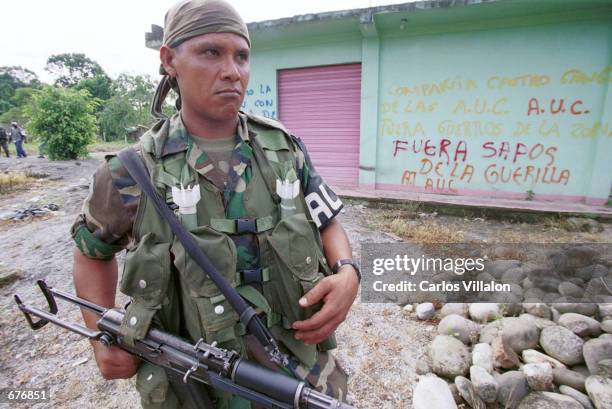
<point>497,132</point>
<point>261,100</point>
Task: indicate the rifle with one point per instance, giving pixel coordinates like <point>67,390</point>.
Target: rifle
<point>199,362</point>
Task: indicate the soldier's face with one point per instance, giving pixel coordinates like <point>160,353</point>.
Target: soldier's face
<point>212,71</point>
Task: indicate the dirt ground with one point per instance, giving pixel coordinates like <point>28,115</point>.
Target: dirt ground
<point>378,343</point>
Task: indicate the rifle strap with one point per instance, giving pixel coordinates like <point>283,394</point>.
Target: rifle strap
<point>135,167</point>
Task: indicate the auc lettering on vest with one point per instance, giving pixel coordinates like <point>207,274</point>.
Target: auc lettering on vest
<point>321,206</point>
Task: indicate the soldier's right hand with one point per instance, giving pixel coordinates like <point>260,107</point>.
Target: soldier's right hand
<point>115,363</point>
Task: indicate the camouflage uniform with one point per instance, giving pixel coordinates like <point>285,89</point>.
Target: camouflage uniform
<point>4,141</point>
<point>105,225</point>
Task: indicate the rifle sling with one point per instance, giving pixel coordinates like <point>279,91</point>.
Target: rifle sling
<point>135,167</point>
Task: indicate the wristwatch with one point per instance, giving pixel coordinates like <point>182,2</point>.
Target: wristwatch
<point>343,261</point>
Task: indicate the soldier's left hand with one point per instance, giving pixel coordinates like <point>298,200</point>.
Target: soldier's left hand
<point>338,292</point>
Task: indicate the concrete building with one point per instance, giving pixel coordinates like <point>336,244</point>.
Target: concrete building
<point>495,99</point>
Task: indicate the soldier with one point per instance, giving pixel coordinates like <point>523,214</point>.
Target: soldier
<point>18,137</point>
<point>265,218</point>
<point>4,141</point>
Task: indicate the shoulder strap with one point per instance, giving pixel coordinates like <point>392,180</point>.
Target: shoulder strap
<point>133,164</point>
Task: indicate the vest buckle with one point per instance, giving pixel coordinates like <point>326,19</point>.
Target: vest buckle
<point>251,276</point>
<point>246,226</point>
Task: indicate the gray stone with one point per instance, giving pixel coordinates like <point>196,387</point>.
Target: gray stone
<point>580,224</point>
<point>555,315</point>
<point>605,310</point>
<point>582,370</point>
<point>579,396</point>
<point>606,326</point>
<point>513,388</point>
<point>425,311</point>
<point>450,357</point>
<point>484,312</point>
<point>541,323</point>
<point>490,331</point>
<point>486,386</point>
<point>511,309</point>
<point>482,356</point>
<point>600,391</point>
<point>548,400</point>
<point>531,356</point>
<point>538,309</point>
<point>570,289</point>
<point>432,393</point>
<point>513,275</point>
<point>593,271</point>
<point>485,277</point>
<point>461,328</point>
<point>580,325</point>
<point>455,392</point>
<point>551,297</point>
<point>519,333</point>
<point>598,289</point>
<point>604,368</point>
<point>535,295</point>
<point>567,377</point>
<point>498,267</point>
<point>579,308</point>
<point>468,393</point>
<point>545,279</point>
<point>424,365</point>
<point>457,308</point>
<point>539,376</point>
<point>596,350</point>
<point>503,355</point>
<point>562,344</point>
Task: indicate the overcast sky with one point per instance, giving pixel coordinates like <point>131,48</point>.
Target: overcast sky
<point>111,32</point>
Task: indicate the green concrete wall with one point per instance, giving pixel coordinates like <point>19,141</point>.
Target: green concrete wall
<point>511,113</point>
<point>455,102</point>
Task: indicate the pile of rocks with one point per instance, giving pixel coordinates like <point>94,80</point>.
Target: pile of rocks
<point>525,356</point>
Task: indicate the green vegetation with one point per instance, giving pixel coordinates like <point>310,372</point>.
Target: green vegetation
<point>81,90</point>
<point>64,120</point>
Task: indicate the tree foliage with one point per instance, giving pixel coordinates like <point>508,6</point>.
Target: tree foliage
<point>71,68</point>
<point>64,119</point>
<point>18,101</point>
<point>99,86</point>
<point>11,79</point>
<point>129,106</point>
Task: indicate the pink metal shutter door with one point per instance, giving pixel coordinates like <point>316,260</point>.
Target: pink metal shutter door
<point>321,105</point>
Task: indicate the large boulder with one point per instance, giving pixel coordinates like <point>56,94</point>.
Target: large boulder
<point>461,328</point>
<point>580,325</point>
<point>450,357</point>
<point>562,344</point>
<point>539,376</point>
<point>567,377</point>
<point>513,388</point>
<point>600,391</point>
<point>596,350</point>
<point>432,393</point>
<point>549,400</point>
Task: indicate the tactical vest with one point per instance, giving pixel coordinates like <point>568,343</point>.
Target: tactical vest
<point>171,291</point>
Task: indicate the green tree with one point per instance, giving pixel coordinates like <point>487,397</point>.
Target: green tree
<point>64,119</point>
<point>11,79</point>
<point>71,68</point>
<point>18,101</point>
<point>129,106</point>
<point>99,86</point>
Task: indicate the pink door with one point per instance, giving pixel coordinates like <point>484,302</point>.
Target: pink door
<point>321,106</point>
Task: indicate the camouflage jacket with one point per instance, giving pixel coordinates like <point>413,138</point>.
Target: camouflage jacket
<point>105,225</point>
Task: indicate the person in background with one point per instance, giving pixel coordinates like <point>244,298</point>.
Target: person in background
<point>4,141</point>
<point>18,137</point>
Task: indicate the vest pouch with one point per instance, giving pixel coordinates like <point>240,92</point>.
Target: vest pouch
<point>145,279</point>
<point>294,267</point>
<point>210,315</point>
<point>152,385</point>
